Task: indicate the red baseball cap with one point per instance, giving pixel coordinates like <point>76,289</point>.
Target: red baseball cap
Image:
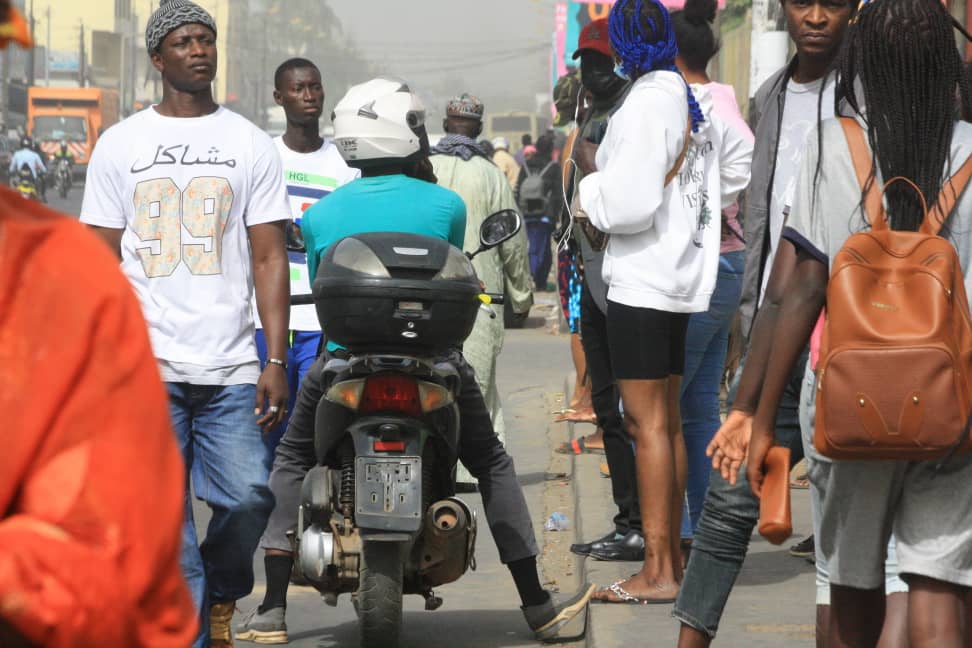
<point>595,37</point>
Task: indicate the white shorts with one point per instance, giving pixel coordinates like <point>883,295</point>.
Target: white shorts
<point>818,468</point>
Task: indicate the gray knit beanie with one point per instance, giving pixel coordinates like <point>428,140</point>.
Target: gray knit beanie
<point>171,15</point>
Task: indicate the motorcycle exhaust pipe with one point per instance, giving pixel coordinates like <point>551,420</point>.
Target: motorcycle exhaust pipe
<point>447,516</point>
<point>447,544</point>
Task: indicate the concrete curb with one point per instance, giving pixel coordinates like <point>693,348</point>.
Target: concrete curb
<point>577,520</point>
<point>771,605</point>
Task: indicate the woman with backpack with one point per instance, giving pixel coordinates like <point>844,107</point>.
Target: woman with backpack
<point>655,186</point>
<point>538,196</point>
<point>899,74</point>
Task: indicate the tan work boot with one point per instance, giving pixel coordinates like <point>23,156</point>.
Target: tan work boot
<point>220,616</point>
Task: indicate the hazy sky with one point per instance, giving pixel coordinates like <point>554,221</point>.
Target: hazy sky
<point>497,49</point>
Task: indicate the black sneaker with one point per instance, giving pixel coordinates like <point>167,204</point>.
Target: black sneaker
<point>803,549</point>
<point>560,619</point>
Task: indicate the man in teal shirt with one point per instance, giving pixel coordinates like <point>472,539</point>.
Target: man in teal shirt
<point>389,202</point>
<point>379,127</point>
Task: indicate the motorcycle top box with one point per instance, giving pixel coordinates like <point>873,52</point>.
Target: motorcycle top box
<point>396,291</point>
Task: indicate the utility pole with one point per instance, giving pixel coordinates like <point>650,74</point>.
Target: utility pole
<point>30,53</point>
<point>82,61</point>
<point>47,52</point>
<point>133,54</point>
<point>4,89</point>
<point>770,44</point>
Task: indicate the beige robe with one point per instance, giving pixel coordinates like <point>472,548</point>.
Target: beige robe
<point>506,269</point>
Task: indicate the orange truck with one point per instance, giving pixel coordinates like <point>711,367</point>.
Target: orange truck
<point>75,115</point>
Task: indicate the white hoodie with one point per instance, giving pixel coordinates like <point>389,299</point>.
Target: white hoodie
<point>665,240</point>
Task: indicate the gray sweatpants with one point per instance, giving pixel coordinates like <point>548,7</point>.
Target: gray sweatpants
<point>479,450</point>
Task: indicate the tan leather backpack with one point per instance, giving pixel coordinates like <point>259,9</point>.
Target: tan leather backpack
<point>896,357</point>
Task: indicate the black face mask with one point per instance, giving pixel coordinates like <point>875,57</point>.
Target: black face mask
<point>600,79</point>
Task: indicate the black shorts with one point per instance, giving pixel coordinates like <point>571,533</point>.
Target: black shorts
<point>646,344</point>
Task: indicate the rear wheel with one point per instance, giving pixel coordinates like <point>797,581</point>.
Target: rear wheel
<point>379,599</point>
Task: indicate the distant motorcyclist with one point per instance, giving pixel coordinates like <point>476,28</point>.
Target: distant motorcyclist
<point>27,156</point>
<point>25,184</point>
<point>63,165</point>
<point>380,128</point>
<point>64,153</point>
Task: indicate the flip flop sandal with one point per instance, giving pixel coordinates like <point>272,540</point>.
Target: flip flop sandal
<point>577,447</point>
<point>626,598</point>
<point>801,483</point>
<point>571,415</point>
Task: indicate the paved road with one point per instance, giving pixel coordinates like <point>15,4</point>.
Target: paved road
<point>71,205</point>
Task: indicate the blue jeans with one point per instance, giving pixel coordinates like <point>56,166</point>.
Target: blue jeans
<point>539,232</point>
<point>304,348</point>
<point>229,466</point>
<point>729,515</point>
<point>705,362</point>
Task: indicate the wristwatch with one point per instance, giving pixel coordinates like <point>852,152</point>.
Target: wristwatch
<point>275,361</point>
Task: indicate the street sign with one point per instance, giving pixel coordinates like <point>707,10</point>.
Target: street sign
<point>66,62</point>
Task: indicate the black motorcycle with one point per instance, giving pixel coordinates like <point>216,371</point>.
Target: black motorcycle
<point>378,516</point>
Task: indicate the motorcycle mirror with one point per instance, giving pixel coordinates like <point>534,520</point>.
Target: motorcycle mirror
<point>498,228</point>
<point>295,238</point>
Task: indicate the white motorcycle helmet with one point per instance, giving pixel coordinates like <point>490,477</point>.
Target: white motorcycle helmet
<point>380,122</point>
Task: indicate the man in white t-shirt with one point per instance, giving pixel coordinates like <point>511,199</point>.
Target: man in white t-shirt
<point>800,116</point>
<point>312,168</point>
<point>192,198</point>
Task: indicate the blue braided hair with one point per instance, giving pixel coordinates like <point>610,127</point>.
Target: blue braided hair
<point>645,46</point>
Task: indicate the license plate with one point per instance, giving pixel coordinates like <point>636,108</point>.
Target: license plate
<point>388,492</point>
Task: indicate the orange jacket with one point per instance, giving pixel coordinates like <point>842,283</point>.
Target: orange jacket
<point>91,480</point>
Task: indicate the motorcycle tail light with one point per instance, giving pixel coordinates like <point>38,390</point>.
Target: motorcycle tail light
<point>389,446</point>
<point>391,393</point>
<point>347,393</point>
<point>434,397</point>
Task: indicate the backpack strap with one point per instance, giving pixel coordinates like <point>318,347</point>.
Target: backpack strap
<point>861,156</point>
<point>949,195</point>
<point>681,158</point>
<point>873,204</point>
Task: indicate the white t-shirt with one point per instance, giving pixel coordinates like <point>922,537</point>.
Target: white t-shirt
<point>309,177</point>
<point>799,120</point>
<point>185,190</point>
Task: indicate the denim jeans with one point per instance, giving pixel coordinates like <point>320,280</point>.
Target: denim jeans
<point>539,232</point>
<point>229,465</point>
<point>302,352</point>
<point>729,515</point>
<point>705,362</point>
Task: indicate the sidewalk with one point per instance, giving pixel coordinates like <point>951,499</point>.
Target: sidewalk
<point>772,603</point>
